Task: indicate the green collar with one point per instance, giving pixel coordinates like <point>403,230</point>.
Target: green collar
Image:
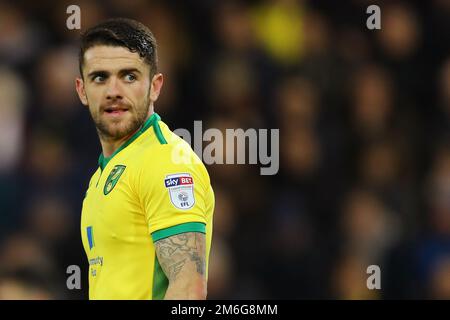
<point>151,121</point>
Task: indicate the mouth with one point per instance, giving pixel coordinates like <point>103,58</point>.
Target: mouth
<point>115,110</point>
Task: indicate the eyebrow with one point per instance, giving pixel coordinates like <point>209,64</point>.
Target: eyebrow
<point>129,70</point>
<point>95,73</point>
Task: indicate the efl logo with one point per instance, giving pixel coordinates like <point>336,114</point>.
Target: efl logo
<point>181,190</point>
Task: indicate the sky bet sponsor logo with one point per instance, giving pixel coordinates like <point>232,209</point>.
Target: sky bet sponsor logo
<point>179,181</point>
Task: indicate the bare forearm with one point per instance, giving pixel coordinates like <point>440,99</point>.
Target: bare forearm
<point>182,258</point>
<point>180,291</point>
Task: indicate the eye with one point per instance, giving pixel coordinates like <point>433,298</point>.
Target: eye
<point>99,79</point>
<point>130,77</point>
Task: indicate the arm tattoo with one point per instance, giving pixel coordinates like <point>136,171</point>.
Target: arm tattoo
<point>175,251</point>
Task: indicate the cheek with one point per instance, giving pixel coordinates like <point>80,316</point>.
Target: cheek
<point>140,92</point>
<point>94,97</point>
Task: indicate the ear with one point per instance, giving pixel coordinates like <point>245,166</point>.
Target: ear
<point>79,85</point>
<point>156,85</point>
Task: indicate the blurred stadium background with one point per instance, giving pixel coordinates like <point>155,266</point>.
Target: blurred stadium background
<point>364,142</point>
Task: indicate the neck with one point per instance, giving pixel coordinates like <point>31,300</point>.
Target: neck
<point>109,146</point>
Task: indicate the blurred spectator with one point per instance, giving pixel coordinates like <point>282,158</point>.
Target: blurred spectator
<point>433,247</point>
<point>13,96</point>
<point>349,279</point>
<point>440,282</point>
<point>369,229</point>
<point>372,102</point>
<point>20,37</point>
<point>12,121</point>
<point>24,285</point>
<point>401,31</point>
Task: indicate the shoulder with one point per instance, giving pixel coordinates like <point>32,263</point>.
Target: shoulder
<point>171,155</point>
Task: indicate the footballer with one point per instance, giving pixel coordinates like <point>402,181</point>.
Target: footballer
<point>146,221</point>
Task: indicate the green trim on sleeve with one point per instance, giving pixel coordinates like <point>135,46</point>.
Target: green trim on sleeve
<point>180,228</point>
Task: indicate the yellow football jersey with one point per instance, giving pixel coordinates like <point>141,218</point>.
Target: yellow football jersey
<point>154,186</point>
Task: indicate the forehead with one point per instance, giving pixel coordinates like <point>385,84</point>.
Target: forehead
<point>112,58</point>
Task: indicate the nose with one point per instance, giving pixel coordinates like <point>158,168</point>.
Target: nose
<point>113,90</point>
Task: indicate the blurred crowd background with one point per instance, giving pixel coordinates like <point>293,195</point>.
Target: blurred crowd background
<point>364,142</point>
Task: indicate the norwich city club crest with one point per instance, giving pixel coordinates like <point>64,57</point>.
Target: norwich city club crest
<point>114,176</point>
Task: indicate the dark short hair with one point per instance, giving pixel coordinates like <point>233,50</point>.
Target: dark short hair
<point>121,32</point>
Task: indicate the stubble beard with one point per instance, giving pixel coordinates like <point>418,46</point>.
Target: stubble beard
<point>113,131</point>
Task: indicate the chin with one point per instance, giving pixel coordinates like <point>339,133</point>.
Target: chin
<point>121,130</point>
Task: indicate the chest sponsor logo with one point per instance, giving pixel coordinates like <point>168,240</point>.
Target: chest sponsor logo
<point>181,190</point>
<point>113,178</point>
<point>90,237</point>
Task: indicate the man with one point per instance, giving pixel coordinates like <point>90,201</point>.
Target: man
<point>147,216</point>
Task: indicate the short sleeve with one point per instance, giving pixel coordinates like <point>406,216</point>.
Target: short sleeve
<point>174,197</point>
